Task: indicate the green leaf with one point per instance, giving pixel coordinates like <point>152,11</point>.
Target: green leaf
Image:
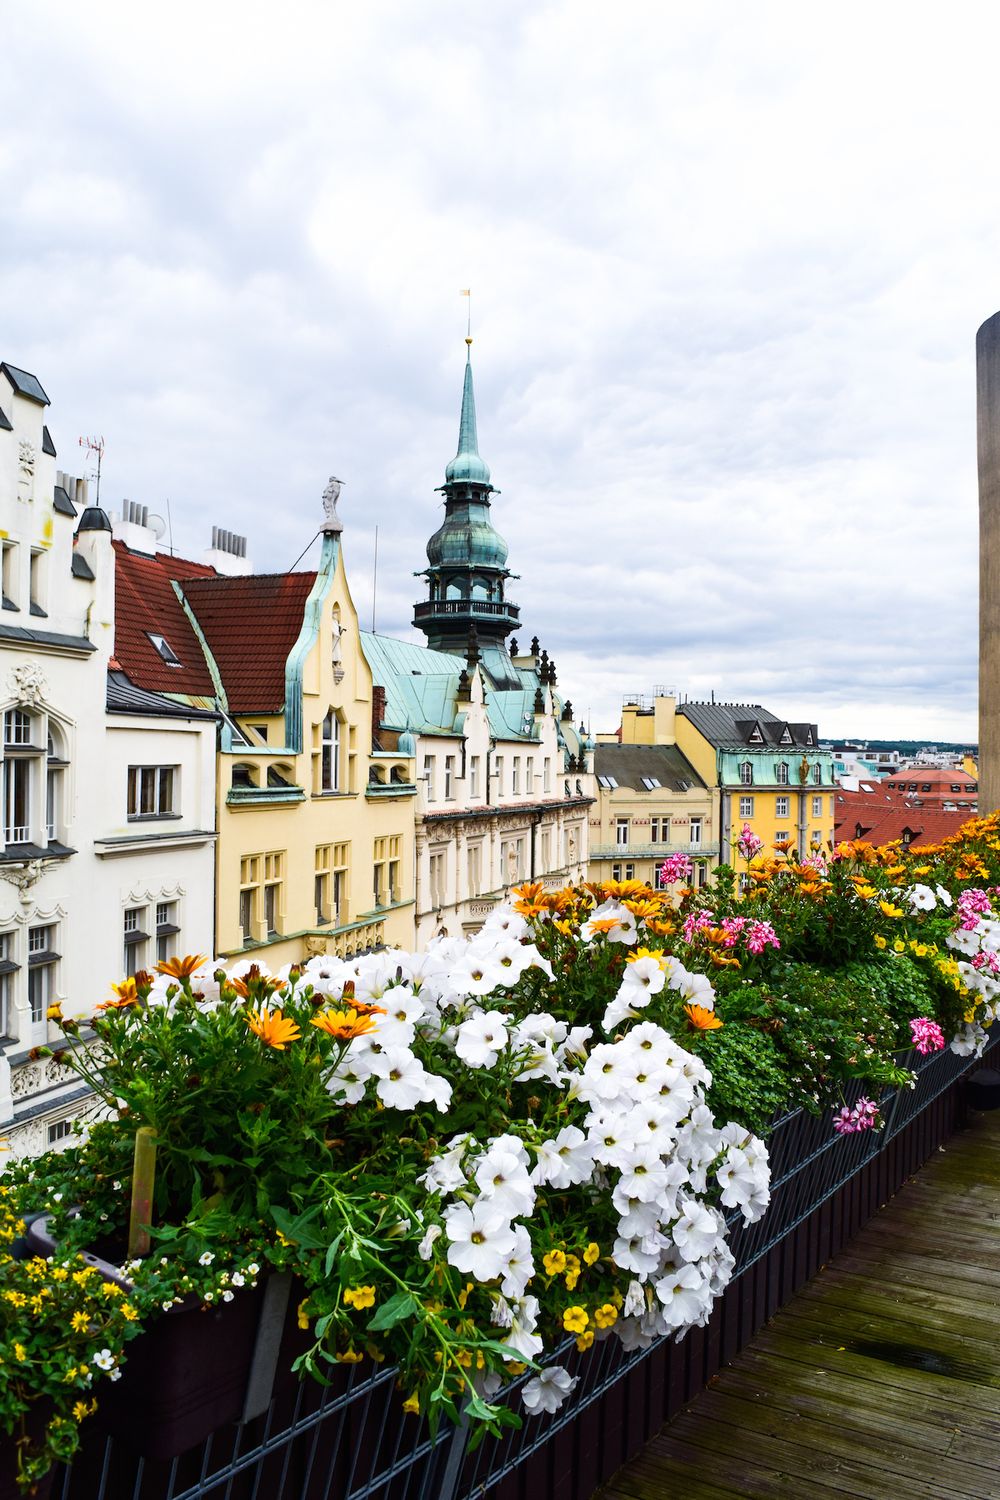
<point>296,1227</point>
<point>331,1254</point>
<point>402,1305</point>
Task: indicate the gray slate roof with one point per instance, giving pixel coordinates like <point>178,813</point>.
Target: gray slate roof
<point>729,726</point>
<point>25,384</point>
<point>125,698</point>
<point>628,764</point>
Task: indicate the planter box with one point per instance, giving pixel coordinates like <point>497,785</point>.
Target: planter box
<point>196,1369</point>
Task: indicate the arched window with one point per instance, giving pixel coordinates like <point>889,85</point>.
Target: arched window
<point>781,773</point>
<point>746,773</point>
<point>35,756</point>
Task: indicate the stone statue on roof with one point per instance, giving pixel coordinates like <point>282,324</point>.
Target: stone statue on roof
<point>331,520</point>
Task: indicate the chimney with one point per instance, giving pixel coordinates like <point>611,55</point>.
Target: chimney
<point>378,713</point>
<point>228,553</point>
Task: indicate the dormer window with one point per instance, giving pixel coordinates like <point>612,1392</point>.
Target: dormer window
<point>786,736</point>
<point>746,773</point>
<point>781,773</point>
<point>165,650</point>
<point>756,738</point>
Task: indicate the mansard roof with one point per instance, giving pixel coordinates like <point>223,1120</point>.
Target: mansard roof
<point>633,765</point>
<point>738,726</point>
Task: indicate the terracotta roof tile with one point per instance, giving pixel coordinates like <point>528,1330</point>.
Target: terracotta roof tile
<point>145,604</point>
<point>251,624</point>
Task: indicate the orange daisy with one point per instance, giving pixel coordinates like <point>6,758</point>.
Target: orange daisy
<point>125,994</point>
<point>702,1019</point>
<point>273,1027</point>
<point>182,968</point>
<point>343,1025</point>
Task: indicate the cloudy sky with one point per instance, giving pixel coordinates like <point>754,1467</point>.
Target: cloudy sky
<point>727,263</point>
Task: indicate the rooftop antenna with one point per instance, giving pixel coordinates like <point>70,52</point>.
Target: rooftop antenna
<point>94,445</point>
<point>170,528</point>
<point>467,292</point>
<point>374,579</point>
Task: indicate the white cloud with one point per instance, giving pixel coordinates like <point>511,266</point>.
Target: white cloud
<point>727,263</point>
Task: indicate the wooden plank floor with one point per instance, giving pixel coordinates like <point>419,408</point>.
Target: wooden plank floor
<point>880,1379</point>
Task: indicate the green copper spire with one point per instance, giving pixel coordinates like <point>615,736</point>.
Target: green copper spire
<point>467,466</point>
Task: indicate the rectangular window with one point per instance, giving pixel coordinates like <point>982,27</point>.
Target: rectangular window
<point>59,1130</point>
<point>616,872</point>
<point>16,800</point>
<point>135,939</point>
<point>746,807</point>
<point>449,777</point>
<point>475,856</point>
<point>473,775</point>
<point>515,781</point>
<point>833,807</point>
<point>781,773</point>
<point>167,931</point>
<point>817,807</point>
<point>621,833</point>
<point>695,832</point>
<point>429,777</point>
<point>702,874</point>
<point>630,872</point>
<point>42,960</point>
<point>274,874</point>
<point>8,968</point>
<point>385,866</point>
<point>781,807</point>
<point>782,837</point>
<point>498,769</point>
<point>547,776</point>
<point>817,837</point>
<point>250,897</point>
<point>11,593</point>
<point>529,775</point>
<point>150,791</point>
<point>818,774</point>
<point>438,874</point>
<point>545,848</point>
<point>746,773</point>
<point>36,589</point>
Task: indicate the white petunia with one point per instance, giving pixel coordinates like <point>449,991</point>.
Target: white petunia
<point>433,1232</point>
<point>548,1390</point>
<point>564,1161</point>
<point>519,1266</point>
<point>480,1240</point>
<point>481,1039</point>
<point>684,1295</point>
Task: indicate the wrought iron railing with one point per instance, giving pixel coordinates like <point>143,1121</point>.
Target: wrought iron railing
<point>350,1441</point>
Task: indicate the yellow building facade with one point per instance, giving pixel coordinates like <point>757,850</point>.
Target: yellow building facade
<point>315,819</point>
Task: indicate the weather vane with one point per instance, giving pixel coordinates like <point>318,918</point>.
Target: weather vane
<point>467,292</point>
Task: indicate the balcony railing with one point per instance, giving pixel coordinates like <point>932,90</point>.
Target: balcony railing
<point>652,851</point>
<point>487,608</point>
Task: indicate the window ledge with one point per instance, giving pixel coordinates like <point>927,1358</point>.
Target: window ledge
<point>152,817</point>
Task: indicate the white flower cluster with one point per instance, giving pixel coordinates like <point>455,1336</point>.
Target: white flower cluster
<point>979,970</point>
<point>641,1132</point>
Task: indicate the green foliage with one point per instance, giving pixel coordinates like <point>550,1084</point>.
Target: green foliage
<point>749,1075</point>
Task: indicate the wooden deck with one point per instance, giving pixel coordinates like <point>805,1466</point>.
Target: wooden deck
<point>881,1378</point>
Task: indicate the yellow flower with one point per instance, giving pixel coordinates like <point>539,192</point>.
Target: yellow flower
<point>898,947</point>
<point>54,1012</point>
<point>128,1312</point>
<point>879,940</point>
<point>80,1410</point>
<point>126,995</point>
<point>592,1253</point>
<point>554,1262</point>
<point>273,1027</point>
<point>349,1357</point>
<point>20,1353</point>
<point>888,910</point>
<point>360,1296</point>
<point>637,953</point>
<point>585,1340</point>
<point>463,1295</point>
<point>606,1316</point>
<point>80,1322</point>
<point>303,1316</point>
<point>572,1277</point>
<point>575,1319</point>
<point>412,1405</point>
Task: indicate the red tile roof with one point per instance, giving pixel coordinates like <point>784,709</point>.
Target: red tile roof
<point>251,624</point>
<point>145,603</point>
<point>912,825</point>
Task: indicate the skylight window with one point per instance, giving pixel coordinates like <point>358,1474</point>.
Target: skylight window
<point>165,650</point>
<point>608,783</point>
<point>650,783</point>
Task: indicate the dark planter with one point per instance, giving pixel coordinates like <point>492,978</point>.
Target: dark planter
<point>983,1089</point>
<point>196,1369</point>
<point>35,1422</point>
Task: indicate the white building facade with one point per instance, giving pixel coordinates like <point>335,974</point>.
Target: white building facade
<point>108,812</point>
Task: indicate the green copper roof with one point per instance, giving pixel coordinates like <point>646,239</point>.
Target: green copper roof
<point>467,465</point>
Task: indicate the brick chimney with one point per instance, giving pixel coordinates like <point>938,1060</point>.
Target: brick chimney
<point>378,713</point>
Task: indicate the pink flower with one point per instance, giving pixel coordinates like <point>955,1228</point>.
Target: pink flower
<point>927,1035</point>
<point>732,927</point>
<point>760,935</point>
<point>748,844</point>
<point>987,959</point>
<point>971,904</point>
<point>675,867</point>
<point>864,1116</point>
<point>696,922</point>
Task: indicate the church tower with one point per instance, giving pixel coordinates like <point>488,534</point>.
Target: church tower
<point>466,608</point>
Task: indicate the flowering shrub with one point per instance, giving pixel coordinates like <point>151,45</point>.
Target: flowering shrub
<point>466,1156</point>
<point>472,1155</point>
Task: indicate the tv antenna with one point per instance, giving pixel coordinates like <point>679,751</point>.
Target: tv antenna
<point>94,445</point>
